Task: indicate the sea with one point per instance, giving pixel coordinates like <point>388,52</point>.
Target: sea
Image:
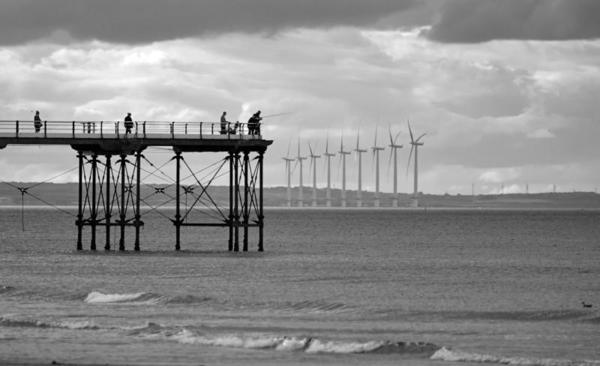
<point>333,287</point>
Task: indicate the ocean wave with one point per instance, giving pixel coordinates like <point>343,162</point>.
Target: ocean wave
<point>139,298</point>
<point>446,354</point>
<point>188,299</point>
<point>33,323</point>
<point>285,343</point>
<point>313,305</point>
<point>542,315</point>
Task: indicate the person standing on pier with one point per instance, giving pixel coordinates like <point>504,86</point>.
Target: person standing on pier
<point>128,124</point>
<point>37,121</point>
<point>254,124</point>
<point>224,123</point>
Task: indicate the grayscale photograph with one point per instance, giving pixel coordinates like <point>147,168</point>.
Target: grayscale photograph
<point>299,182</point>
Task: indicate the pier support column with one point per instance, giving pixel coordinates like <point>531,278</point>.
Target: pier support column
<point>246,205</point>
<point>94,208</point>
<point>236,208</point>
<point>231,198</point>
<point>79,221</point>
<point>177,221</point>
<point>138,161</point>
<point>260,202</point>
<point>108,201</point>
<point>122,211</point>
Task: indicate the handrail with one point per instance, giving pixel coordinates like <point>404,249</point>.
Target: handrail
<point>149,129</point>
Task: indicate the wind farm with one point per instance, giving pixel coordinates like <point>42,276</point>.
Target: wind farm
<point>360,196</point>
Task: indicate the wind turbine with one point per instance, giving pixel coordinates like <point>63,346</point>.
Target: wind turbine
<point>359,152</point>
<point>415,146</point>
<point>343,157</point>
<point>299,159</point>
<point>288,172</point>
<point>394,151</point>
<point>313,162</point>
<point>376,149</point>
<point>328,155</point>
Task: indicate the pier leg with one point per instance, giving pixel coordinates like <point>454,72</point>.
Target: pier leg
<point>122,211</point>
<point>260,202</point>
<point>236,211</point>
<point>107,201</point>
<point>79,221</point>
<point>177,199</point>
<point>246,205</point>
<point>94,201</point>
<point>231,198</point>
<point>138,161</point>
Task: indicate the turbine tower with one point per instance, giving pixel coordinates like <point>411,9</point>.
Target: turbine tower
<point>343,158</point>
<point>376,149</point>
<point>394,151</point>
<point>288,172</point>
<point>299,159</point>
<point>328,155</point>
<point>359,152</point>
<point>313,162</point>
<point>415,146</point>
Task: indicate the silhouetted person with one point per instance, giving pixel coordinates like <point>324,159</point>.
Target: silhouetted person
<point>37,121</point>
<point>128,123</point>
<point>254,124</point>
<point>233,130</point>
<point>224,123</point>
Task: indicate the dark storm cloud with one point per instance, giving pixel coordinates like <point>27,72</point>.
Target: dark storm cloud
<point>142,21</point>
<point>469,21</point>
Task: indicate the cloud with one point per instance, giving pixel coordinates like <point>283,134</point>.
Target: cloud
<point>143,21</point>
<point>469,21</point>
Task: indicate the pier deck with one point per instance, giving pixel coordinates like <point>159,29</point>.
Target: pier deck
<point>102,136</point>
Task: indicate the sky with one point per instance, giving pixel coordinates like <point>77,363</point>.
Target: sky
<point>507,92</point>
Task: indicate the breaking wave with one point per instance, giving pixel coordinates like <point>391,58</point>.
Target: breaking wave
<point>140,298</point>
<point>284,343</point>
<point>446,354</point>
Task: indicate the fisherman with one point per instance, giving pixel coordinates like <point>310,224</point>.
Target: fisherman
<point>224,123</point>
<point>254,124</point>
<point>37,121</point>
<point>233,130</point>
<point>128,123</point>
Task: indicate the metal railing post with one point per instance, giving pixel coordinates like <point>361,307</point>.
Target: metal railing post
<point>144,128</point>
<point>45,129</point>
<point>73,129</point>
<point>200,130</point>
<point>17,129</point>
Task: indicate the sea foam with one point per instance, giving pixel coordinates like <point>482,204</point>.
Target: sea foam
<point>446,354</point>
<point>139,298</point>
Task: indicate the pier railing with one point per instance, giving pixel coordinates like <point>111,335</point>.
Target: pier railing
<point>117,130</point>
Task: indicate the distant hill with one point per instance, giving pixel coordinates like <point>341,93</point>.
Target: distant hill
<point>65,194</point>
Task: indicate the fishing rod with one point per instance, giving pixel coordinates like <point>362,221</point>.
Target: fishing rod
<point>276,115</point>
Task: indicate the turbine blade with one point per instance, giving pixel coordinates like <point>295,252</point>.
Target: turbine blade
<point>409,156</point>
<point>310,149</point>
<point>391,137</point>
<point>410,131</point>
<point>420,137</point>
<point>396,137</point>
<point>289,146</point>
<point>375,143</point>
<point>327,144</point>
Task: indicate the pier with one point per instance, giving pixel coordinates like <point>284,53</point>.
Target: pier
<point>110,161</point>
